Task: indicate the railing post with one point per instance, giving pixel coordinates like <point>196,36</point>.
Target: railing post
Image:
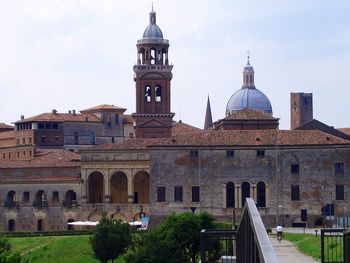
<point>322,245</point>
<point>202,245</point>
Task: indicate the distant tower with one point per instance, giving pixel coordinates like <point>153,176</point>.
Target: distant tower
<point>300,109</point>
<point>208,118</point>
<point>153,117</point>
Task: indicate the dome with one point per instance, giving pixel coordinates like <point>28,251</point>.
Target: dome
<point>251,98</point>
<point>152,30</point>
<point>248,96</point>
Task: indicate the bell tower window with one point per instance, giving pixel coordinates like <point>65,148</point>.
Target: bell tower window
<point>153,56</point>
<point>148,93</point>
<point>158,92</point>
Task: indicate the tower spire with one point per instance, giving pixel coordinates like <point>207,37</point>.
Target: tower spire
<point>248,75</point>
<point>208,117</point>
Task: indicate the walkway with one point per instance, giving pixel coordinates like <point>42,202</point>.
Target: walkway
<point>288,253</point>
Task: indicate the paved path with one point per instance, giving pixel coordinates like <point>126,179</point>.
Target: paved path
<point>288,253</point>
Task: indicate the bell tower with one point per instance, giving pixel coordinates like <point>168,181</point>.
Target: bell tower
<point>152,75</point>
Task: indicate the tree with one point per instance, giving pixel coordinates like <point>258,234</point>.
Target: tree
<point>5,252</point>
<point>111,239</point>
<point>177,239</point>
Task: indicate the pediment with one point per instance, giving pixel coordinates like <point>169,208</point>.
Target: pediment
<point>153,123</point>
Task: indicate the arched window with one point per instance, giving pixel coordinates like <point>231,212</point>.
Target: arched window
<point>158,92</point>
<point>261,194</point>
<point>11,199</point>
<point>245,192</point>
<point>141,187</point>
<point>40,199</point>
<point>230,194</point>
<point>153,56</point>
<point>71,197</point>
<point>142,56</point>
<point>148,93</point>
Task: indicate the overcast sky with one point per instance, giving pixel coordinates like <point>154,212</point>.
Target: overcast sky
<point>75,54</point>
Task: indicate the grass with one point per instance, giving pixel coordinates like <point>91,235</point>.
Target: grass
<point>55,249</point>
<point>311,245</point>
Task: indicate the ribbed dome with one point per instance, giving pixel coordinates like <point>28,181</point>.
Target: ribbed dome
<point>152,30</point>
<point>248,96</point>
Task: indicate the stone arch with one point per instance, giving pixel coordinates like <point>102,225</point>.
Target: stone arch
<point>230,194</point>
<point>261,194</point>
<point>11,198</point>
<point>70,198</point>
<point>70,227</point>
<point>245,191</point>
<point>141,187</point>
<point>119,188</point>
<point>119,215</point>
<point>95,216</point>
<point>11,225</point>
<point>96,187</point>
<point>40,199</point>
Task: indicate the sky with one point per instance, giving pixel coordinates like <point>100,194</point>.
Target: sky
<point>75,54</point>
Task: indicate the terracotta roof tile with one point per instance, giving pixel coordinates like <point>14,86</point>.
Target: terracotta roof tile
<point>53,158</point>
<point>249,114</point>
<point>345,130</point>
<point>181,128</point>
<point>62,117</point>
<point>127,118</point>
<point>129,144</point>
<point>103,107</point>
<point>5,126</point>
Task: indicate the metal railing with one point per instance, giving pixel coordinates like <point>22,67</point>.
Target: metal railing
<point>335,246</point>
<point>249,244</point>
<point>253,243</point>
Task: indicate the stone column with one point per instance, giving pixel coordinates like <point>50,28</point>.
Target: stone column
<point>107,189</point>
<point>224,196</point>
<point>238,193</point>
<point>254,192</point>
<point>84,186</point>
<point>267,196</point>
<point>130,177</point>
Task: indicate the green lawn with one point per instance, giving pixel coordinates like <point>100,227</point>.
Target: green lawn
<point>307,244</point>
<point>55,249</point>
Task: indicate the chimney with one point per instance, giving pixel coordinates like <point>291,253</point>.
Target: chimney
<point>69,112</point>
<point>73,112</point>
<point>54,111</point>
<point>22,117</point>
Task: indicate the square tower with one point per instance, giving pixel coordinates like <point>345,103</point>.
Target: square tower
<point>300,109</point>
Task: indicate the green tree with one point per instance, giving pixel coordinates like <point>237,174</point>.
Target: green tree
<point>111,239</point>
<point>177,239</point>
<point>5,252</point>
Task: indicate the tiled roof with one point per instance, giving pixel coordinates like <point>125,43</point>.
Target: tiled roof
<point>5,126</point>
<point>127,118</point>
<point>181,128</point>
<point>231,138</point>
<point>103,107</point>
<point>53,158</point>
<point>61,117</point>
<point>249,114</point>
<point>73,178</point>
<point>345,130</point>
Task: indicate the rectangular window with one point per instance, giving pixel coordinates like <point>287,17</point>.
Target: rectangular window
<point>195,194</point>
<point>41,125</point>
<point>194,154</point>
<point>339,168</point>
<point>54,125</point>
<point>178,193</point>
<point>55,197</point>
<point>294,168</point>
<point>295,194</point>
<point>230,154</point>
<point>30,139</point>
<point>260,153</point>
<point>23,140</point>
<point>116,119</point>
<point>339,192</point>
<point>76,138</point>
<point>43,139</point>
<point>161,194</point>
<point>26,197</point>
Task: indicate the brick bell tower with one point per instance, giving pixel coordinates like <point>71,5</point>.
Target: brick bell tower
<point>153,118</point>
